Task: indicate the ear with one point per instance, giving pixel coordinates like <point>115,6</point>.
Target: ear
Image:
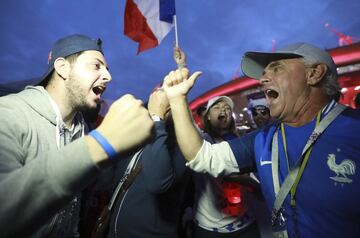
<point>316,73</point>
<point>208,116</point>
<point>62,67</point>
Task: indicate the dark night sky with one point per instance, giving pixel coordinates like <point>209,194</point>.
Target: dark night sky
<point>213,33</point>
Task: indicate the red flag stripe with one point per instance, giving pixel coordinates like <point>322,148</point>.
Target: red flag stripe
<point>137,29</point>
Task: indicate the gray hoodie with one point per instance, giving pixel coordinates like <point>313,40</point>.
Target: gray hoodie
<point>40,177</point>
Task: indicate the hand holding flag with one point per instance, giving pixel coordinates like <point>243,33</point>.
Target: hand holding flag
<point>179,57</point>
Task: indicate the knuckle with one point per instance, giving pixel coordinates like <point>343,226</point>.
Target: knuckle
<point>127,96</point>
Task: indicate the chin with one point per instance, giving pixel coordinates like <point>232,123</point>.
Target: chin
<point>91,105</point>
<point>275,113</point>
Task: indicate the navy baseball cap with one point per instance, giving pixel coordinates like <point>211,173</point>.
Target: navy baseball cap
<point>254,63</point>
<point>70,45</point>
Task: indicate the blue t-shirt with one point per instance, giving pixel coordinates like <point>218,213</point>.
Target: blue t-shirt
<point>329,189</point>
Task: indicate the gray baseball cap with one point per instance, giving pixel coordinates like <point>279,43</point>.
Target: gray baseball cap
<point>254,63</point>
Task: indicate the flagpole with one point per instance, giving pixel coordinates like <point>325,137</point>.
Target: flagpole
<point>179,55</point>
<point>176,32</point>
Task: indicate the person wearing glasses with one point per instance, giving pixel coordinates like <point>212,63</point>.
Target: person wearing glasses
<point>260,115</point>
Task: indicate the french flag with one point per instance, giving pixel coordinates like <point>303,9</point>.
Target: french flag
<point>148,21</point>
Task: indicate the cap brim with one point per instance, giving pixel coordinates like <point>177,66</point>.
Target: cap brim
<point>45,76</point>
<point>254,63</point>
<point>226,99</point>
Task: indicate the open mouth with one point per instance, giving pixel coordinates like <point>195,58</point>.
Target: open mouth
<point>98,90</point>
<point>222,117</point>
<point>271,94</point>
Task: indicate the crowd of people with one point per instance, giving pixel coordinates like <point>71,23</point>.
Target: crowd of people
<point>150,164</point>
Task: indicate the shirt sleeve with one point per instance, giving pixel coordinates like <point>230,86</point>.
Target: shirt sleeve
<point>226,157</point>
<point>244,152</point>
<point>215,159</point>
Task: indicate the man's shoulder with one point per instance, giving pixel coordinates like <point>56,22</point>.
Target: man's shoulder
<point>29,99</point>
<point>25,96</point>
<point>12,103</point>
<point>20,107</point>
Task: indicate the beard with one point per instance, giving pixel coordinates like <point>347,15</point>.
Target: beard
<point>77,94</point>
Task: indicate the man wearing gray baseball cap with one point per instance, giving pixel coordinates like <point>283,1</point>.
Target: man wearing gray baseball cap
<point>307,161</point>
<point>45,158</point>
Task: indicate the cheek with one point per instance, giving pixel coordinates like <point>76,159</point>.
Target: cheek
<point>289,89</point>
<point>292,83</point>
<point>213,115</point>
<point>88,75</point>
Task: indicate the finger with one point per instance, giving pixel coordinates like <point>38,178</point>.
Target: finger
<point>150,97</point>
<point>167,82</point>
<point>194,77</point>
<point>128,97</point>
<point>174,77</point>
<point>169,78</point>
<point>184,73</point>
<point>119,101</point>
<point>178,76</point>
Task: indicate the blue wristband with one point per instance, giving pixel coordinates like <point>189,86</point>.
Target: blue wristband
<point>104,143</point>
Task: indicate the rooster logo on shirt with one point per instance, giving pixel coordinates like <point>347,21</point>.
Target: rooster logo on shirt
<point>342,170</point>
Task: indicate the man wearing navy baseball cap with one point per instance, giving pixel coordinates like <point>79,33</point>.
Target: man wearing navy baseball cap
<point>307,161</point>
<point>45,158</point>
<point>70,45</point>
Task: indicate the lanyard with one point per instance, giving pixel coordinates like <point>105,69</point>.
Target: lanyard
<point>283,191</point>
<point>303,164</point>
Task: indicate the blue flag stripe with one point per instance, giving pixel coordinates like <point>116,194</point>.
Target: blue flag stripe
<point>167,10</point>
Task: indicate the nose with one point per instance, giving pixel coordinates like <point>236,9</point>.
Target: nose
<point>106,76</point>
<point>265,78</point>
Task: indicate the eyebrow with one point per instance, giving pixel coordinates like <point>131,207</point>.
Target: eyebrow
<point>101,62</point>
<point>272,65</point>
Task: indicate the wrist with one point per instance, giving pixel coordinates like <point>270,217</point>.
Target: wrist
<point>155,117</point>
<point>180,99</point>
<point>104,143</point>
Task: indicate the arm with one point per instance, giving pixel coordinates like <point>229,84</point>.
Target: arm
<point>37,177</point>
<point>177,85</point>
<point>127,126</point>
<point>158,165</point>
<point>158,170</point>
<point>34,189</point>
<point>217,159</point>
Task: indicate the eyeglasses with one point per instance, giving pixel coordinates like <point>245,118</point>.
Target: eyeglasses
<point>262,112</point>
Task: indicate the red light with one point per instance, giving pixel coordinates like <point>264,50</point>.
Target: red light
<point>235,202</point>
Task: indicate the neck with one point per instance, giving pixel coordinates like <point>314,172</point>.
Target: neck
<point>217,134</point>
<point>59,96</point>
<point>308,111</point>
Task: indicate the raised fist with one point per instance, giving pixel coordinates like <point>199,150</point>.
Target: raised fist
<point>127,125</point>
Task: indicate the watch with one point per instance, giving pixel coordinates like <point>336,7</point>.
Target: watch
<point>155,118</point>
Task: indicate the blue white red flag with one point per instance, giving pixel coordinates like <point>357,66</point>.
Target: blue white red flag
<point>148,21</point>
